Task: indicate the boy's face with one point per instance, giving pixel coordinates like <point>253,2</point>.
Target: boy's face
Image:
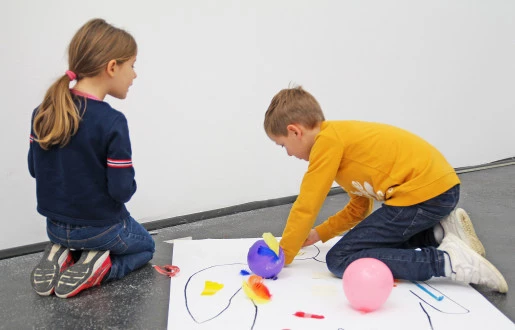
<point>295,142</point>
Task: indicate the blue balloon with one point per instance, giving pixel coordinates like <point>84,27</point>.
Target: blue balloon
<point>263,261</point>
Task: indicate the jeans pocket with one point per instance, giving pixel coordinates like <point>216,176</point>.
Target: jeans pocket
<point>448,199</point>
<point>116,246</point>
<point>93,238</point>
<point>422,220</point>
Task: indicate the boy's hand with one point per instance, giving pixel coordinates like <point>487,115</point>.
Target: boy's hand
<point>312,238</point>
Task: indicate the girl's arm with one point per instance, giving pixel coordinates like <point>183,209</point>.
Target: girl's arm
<point>120,172</point>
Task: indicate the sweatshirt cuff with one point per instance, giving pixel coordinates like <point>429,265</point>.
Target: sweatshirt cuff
<point>324,232</point>
<point>288,256</point>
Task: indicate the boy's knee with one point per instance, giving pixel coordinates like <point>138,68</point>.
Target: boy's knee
<point>336,262</point>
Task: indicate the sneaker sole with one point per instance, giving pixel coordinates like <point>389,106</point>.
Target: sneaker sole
<point>503,287</point>
<point>102,264</point>
<point>471,236</point>
<point>49,267</point>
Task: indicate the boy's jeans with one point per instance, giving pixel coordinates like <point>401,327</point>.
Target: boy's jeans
<point>129,243</point>
<point>401,237</point>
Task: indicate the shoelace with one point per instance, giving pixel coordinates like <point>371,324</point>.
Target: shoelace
<point>168,270</point>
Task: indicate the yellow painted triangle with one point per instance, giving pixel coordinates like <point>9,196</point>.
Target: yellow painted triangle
<point>210,288</point>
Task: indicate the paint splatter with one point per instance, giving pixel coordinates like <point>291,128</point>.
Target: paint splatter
<point>210,288</point>
<point>272,242</point>
<point>309,316</point>
<point>256,290</point>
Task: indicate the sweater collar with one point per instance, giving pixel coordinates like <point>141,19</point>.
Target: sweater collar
<point>86,95</point>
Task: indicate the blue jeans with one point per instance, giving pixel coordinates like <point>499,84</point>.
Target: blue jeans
<point>401,237</point>
<point>129,243</point>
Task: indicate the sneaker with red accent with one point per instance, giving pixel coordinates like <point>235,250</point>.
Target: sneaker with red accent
<point>45,275</point>
<point>87,272</point>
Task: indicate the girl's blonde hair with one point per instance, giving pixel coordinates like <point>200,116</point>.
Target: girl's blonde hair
<point>90,50</point>
<point>292,106</point>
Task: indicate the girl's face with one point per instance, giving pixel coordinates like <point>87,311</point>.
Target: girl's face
<point>124,75</point>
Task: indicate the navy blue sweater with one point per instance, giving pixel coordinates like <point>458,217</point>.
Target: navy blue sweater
<point>88,181</point>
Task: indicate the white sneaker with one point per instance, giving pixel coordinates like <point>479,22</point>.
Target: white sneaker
<point>469,267</point>
<point>459,224</point>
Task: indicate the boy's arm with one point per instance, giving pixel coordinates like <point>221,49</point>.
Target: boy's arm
<point>324,161</point>
<point>356,210</point>
<point>120,172</point>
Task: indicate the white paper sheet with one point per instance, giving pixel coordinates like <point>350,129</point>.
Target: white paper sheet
<point>306,285</point>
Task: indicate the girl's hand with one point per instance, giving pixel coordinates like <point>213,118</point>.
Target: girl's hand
<point>312,238</point>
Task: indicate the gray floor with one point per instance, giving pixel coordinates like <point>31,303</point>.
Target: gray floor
<point>140,301</point>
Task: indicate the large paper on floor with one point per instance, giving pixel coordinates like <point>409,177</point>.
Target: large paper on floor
<point>207,294</point>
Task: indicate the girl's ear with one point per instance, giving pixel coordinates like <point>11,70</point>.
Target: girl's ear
<point>111,68</point>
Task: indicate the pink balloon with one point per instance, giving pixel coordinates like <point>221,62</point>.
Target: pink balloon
<point>367,283</point>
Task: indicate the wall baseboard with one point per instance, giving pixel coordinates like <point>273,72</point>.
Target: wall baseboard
<point>194,217</point>
<point>498,163</point>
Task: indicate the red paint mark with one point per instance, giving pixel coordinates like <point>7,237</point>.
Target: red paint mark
<point>308,315</point>
<point>168,270</point>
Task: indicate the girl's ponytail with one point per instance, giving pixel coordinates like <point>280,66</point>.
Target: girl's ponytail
<point>57,118</point>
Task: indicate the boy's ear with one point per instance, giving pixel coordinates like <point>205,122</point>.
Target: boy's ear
<point>294,129</point>
<point>111,68</point>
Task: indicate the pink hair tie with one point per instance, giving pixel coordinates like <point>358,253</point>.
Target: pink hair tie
<point>71,75</point>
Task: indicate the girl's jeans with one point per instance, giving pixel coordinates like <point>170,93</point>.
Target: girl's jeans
<point>129,243</point>
<point>401,237</point>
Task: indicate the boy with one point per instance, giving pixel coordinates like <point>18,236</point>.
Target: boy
<point>415,232</point>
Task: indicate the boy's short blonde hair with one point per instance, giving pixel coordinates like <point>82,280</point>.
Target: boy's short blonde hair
<point>292,106</point>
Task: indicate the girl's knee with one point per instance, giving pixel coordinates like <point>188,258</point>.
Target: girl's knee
<point>147,257</point>
<point>153,246</point>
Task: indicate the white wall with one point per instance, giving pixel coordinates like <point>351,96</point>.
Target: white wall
<point>208,70</point>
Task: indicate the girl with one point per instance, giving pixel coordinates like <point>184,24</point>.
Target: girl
<point>80,156</point>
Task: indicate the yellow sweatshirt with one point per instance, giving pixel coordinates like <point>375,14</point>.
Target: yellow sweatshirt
<point>370,161</point>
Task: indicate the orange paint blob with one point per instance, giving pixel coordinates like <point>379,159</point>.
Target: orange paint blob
<point>256,289</point>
